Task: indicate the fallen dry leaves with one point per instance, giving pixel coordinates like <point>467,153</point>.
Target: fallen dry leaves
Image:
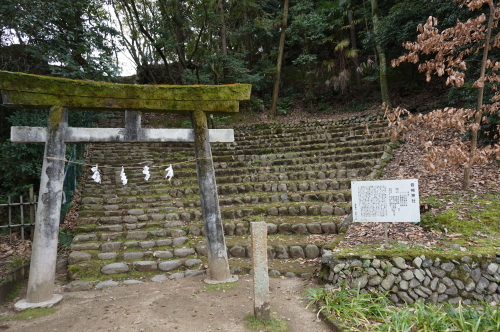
<point>443,185</point>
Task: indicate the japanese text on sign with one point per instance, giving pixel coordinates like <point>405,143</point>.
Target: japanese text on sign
<point>385,201</point>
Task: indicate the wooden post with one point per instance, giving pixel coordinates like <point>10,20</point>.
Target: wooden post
<point>43,257</point>
<point>216,245</point>
<point>32,212</point>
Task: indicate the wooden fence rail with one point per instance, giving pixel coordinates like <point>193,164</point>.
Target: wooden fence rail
<point>31,204</point>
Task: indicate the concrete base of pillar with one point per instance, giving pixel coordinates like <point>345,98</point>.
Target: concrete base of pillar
<point>214,282</point>
<point>23,305</point>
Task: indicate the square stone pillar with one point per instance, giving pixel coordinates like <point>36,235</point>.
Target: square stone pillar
<point>44,253</point>
<point>262,305</point>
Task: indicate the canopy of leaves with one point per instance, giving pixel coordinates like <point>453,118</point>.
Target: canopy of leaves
<point>57,38</point>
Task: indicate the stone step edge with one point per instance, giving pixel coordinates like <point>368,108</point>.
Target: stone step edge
<point>83,285</point>
<point>285,157</point>
<point>229,196</point>
<point>243,152</point>
<point>222,169</point>
<point>190,184</point>
<point>278,208</point>
<point>231,228</point>
<point>173,261</point>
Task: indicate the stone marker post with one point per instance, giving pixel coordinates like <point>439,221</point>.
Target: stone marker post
<point>44,253</point>
<point>216,244</point>
<point>262,305</point>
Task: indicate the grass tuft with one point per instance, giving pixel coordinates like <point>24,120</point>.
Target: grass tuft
<point>30,314</point>
<point>353,311</point>
<point>273,325</point>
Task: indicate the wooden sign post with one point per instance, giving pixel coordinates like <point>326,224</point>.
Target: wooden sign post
<point>62,96</point>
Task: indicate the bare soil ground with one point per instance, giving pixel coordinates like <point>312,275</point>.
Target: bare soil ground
<point>186,305</point>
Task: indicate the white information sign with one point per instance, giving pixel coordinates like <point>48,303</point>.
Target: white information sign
<point>385,201</point>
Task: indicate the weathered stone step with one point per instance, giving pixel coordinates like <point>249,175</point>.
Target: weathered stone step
<point>337,162</point>
<point>320,132</point>
<point>294,143</point>
<point>183,268</point>
<point>252,154</point>
<point>277,208</point>
<point>321,191</point>
<point>189,184</point>
<point>252,193</point>
<point>306,125</point>
<point>317,136</point>
<point>168,258</point>
<point>323,163</point>
<point>285,225</point>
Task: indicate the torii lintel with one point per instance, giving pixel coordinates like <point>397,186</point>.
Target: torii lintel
<point>34,91</point>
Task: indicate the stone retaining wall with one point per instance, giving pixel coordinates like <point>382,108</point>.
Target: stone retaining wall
<point>469,278</point>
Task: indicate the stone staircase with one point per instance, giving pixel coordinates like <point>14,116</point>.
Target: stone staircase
<point>294,176</point>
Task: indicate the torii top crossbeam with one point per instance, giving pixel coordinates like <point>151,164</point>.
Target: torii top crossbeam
<point>34,91</point>
<point>61,95</point>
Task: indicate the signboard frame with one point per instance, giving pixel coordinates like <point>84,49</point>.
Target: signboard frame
<point>385,201</point>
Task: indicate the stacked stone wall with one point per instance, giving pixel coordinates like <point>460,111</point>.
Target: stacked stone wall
<point>470,279</point>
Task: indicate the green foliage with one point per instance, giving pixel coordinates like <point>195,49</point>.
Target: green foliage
<point>261,325</point>
<point>485,210</point>
<point>28,157</point>
<point>253,105</point>
<point>65,239</point>
<point>59,38</point>
<point>284,105</point>
<point>365,310</point>
<point>14,293</point>
<point>374,312</point>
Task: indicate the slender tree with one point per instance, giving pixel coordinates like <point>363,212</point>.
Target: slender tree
<point>354,44</point>
<point>223,38</point>
<point>281,50</point>
<point>377,29</point>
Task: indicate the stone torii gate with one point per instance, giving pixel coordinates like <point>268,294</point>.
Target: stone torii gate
<point>63,95</point>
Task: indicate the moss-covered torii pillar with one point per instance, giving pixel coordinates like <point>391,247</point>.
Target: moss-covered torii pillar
<point>41,92</point>
<point>216,245</point>
<point>42,267</point>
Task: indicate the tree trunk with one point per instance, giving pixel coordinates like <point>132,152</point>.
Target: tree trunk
<point>274,101</point>
<point>479,106</point>
<point>135,13</point>
<point>354,44</point>
<point>223,27</point>
<point>384,89</point>
<point>180,37</point>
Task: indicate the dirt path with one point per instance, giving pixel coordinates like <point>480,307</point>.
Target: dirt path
<point>178,305</point>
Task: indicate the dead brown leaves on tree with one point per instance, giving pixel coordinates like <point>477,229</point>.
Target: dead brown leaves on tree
<point>468,37</point>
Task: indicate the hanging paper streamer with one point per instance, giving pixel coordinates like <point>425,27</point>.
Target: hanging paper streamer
<point>123,177</point>
<point>146,172</point>
<point>170,173</point>
<point>96,176</point>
